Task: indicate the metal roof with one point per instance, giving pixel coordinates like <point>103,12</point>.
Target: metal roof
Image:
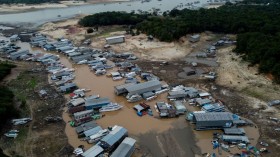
<point>82,113</point>
<point>66,86</point>
<point>148,94</point>
<point>179,105</point>
<point>140,86</point>
<point>86,126</point>
<point>234,131</point>
<point>81,57</point>
<point>90,102</point>
<point>19,52</point>
<point>77,101</point>
<point>92,131</point>
<point>204,94</point>
<point>203,101</point>
<point>125,148</point>
<point>235,138</point>
<point>114,135</point>
<point>138,107</point>
<point>115,37</point>
<point>213,116</point>
<point>93,151</point>
<point>120,87</point>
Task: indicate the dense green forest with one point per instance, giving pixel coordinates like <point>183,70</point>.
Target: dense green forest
<point>257,26</point>
<point>112,18</point>
<point>265,2</point>
<point>7,109</point>
<point>27,1</point>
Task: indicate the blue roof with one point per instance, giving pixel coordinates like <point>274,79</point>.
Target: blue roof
<point>92,102</point>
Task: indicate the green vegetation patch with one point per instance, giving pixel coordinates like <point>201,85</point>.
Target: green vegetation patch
<point>5,69</point>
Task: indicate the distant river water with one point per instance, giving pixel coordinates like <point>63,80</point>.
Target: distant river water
<point>55,14</point>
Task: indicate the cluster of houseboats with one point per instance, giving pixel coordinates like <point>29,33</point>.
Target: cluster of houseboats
<point>138,87</point>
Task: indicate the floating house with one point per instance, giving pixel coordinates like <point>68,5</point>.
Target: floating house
<point>213,108</point>
<point>69,87</point>
<point>16,55</point>
<point>141,88</point>
<point>96,103</point>
<point>86,126</point>
<point>76,102</point>
<point>166,110</point>
<point>75,109</point>
<point>115,39</point>
<point>202,102</point>
<point>125,149</point>
<point>121,89</point>
<point>94,151</point>
<point>212,120</point>
<point>110,141</point>
<point>76,59</point>
<point>92,131</point>
<point>83,114</point>
<point>235,139</point>
<point>177,94</point>
<point>180,107</point>
<point>234,131</point>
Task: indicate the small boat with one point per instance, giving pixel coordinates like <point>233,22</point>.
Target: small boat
<point>110,107</point>
<point>150,112</point>
<point>11,134</point>
<point>134,98</point>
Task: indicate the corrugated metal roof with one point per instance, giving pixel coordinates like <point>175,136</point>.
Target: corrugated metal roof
<point>115,37</point>
<point>93,151</point>
<point>140,86</point>
<point>181,92</point>
<point>114,135</point>
<point>120,87</point>
<point>179,105</point>
<point>66,86</point>
<point>19,52</point>
<point>203,101</point>
<point>90,102</point>
<point>125,149</point>
<point>85,126</point>
<point>78,101</point>
<point>213,116</point>
<point>234,131</point>
<point>235,138</point>
<point>92,131</point>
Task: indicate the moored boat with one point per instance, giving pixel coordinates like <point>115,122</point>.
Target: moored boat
<point>110,107</point>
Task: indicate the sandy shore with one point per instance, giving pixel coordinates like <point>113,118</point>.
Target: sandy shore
<point>6,8</point>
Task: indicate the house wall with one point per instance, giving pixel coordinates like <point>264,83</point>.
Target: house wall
<point>213,124</point>
<point>83,115</point>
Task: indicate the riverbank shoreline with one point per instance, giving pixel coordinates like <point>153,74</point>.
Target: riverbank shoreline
<point>21,8</point>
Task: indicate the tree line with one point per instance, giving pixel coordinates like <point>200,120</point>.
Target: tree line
<point>7,109</point>
<point>27,1</point>
<point>257,28</point>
